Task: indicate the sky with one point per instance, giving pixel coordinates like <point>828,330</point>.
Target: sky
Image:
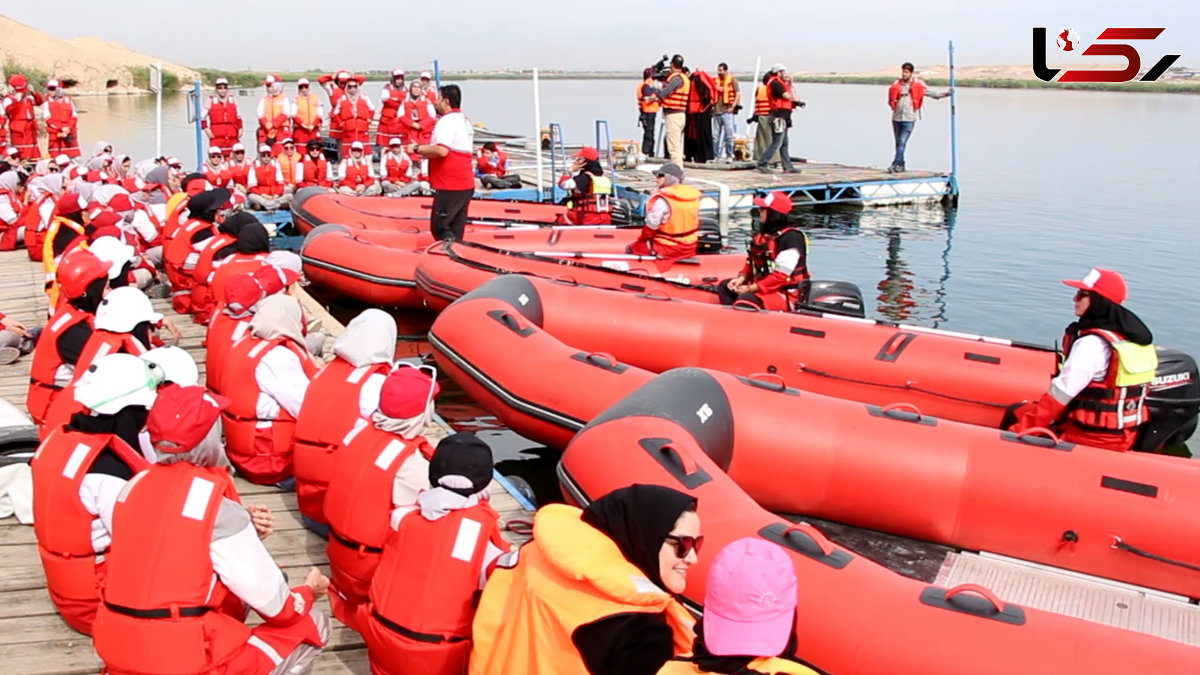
<point>805,35</point>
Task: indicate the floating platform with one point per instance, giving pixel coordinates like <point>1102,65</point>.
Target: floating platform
<point>33,639</point>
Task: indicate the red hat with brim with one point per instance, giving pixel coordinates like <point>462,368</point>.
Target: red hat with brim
<point>68,203</point>
<point>182,416</point>
<point>406,392</point>
<point>1105,283</point>
<point>775,200</point>
<point>589,153</point>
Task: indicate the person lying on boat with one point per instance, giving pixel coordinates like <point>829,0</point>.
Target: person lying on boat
<point>1099,395</point>
<point>187,559</point>
<point>591,191</point>
<point>594,591</point>
<point>422,596</point>
<point>749,622</point>
<point>672,225</point>
<point>776,270</point>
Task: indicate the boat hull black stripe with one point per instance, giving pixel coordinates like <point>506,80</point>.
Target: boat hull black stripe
<point>358,274</point>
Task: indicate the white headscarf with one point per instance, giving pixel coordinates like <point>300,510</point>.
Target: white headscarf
<point>369,338</point>
<point>209,452</point>
<point>279,316</point>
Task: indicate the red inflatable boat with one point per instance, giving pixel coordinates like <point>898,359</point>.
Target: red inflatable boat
<point>453,269</point>
<point>313,207</point>
<point>965,378</point>
<point>854,617</point>
<point>378,267</point>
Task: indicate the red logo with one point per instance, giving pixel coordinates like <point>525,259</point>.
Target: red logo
<point>1067,41</point>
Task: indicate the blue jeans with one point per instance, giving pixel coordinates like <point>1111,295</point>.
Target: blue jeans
<point>901,130</point>
<point>723,135</point>
<point>779,143</point>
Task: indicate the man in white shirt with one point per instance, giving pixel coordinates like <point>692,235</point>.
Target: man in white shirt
<point>451,172</point>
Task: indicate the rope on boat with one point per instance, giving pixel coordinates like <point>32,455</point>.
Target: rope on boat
<point>1118,543</point>
<point>907,386</point>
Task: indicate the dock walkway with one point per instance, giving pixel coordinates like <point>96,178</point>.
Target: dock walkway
<point>33,639</point>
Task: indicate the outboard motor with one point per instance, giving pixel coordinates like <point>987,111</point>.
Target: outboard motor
<point>710,240</point>
<point>834,297</point>
<point>621,211</point>
<point>1173,401</point>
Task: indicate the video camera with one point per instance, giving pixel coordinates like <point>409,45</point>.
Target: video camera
<point>662,69</point>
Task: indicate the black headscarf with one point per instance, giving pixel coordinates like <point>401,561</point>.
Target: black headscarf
<point>205,205</point>
<point>90,300</point>
<point>235,222</point>
<point>773,222</point>
<point>253,238</point>
<point>731,665</point>
<point>126,424</point>
<point>1104,314</point>
<point>638,518</point>
<point>593,167</point>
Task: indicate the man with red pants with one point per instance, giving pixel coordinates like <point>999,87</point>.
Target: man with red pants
<point>185,557</point>
<point>20,108</point>
<point>62,122</point>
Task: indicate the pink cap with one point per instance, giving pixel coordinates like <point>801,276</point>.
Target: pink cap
<point>750,600</point>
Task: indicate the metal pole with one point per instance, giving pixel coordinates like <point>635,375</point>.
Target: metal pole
<point>437,75</point>
<point>158,112</point>
<point>953,130</point>
<point>537,132</point>
<point>197,112</point>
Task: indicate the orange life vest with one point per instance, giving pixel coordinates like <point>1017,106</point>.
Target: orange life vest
<point>176,205</point>
<point>569,575</point>
<point>260,448</point>
<point>291,167</point>
<point>647,104</point>
<point>50,261</point>
<point>423,594</point>
<point>726,91</point>
<point>162,598</point>
<point>329,413</point>
<point>64,526</point>
<point>358,505</point>
<point>762,101</point>
<point>677,100</point>
<point>223,332</point>
<point>307,109</point>
<point>175,254</point>
<point>47,359</point>
<point>774,102</point>
<point>682,227</point>
<point>274,107</point>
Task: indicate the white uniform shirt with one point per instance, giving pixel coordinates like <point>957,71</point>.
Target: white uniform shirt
<point>1087,363</point>
<point>282,383</point>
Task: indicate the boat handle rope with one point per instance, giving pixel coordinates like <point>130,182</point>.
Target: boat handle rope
<point>611,362</point>
<point>907,386</point>
<point>813,533</point>
<point>1035,432</point>
<point>655,293</point>
<point>746,306</point>
<point>520,526</point>
<point>1120,544</point>
<point>901,406</point>
<point>981,591</point>
<point>769,378</point>
<point>566,279</point>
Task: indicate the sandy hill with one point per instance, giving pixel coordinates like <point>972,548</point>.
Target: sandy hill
<point>91,61</point>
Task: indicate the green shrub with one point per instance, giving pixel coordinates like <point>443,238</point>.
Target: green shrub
<point>36,76</point>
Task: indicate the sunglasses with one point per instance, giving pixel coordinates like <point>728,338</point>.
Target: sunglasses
<point>1081,294</point>
<point>684,544</point>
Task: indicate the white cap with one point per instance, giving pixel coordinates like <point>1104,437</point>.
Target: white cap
<point>395,141</point>
<point>264,148</point>
<point>778,68</point>
<point>62,160</point>
<point>115,381</point>
<point>173,161</point>
<point>214,150</point>
<point>124,308</point>
<point>115,251</point>
<point>238,147</point>
<point>12,150</point>
<point>356,145</point>
<point>223,80</point>
<point>177,365</point>
<point>342,75</point>
<point>270,79</point>
<point>53,84</point>
<point>426,75</point>
<point>287,140</point>
<point>302,82</point>
<point>399,72</point>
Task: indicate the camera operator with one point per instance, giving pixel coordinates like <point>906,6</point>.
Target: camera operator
<point>674,98</point>
<point>648,105</point>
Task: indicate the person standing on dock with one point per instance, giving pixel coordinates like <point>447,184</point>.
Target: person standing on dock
<point>905,97</point>
<point>451,173</point>
<point>781,99</point>
<point>674,97</point>
<point>19,107</point>
<point>274,115</point>
<point>762,119</point>
<point>391,101</point>
<point>307,114</point>
<point>354,113</point>
<point>648,105</point>
<point>62,121</point>
<point>222,121</point>
<point>728,102</point>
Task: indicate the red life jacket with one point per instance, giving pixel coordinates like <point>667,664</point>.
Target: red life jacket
<point>223,118</point>
<point>47,359</point>
<point>389,114</point>
<point>329,413</point>
<point>494,165</point>
<point>155,221</point>
<point>1104,406</point>
<point>358,505</point>
<point>260,448</point>
<point>62,115</point>
<point>223,331</point>
<point>203,301</point>
<point>695,102</point>
<point>315,173</point>
<point>218,176</point>
<point>336,94</point>
<point>21,112</point>
<point>162,598</point>
<point>355,117</point>
<point>916,92</point>
<point>267,178</point>
<point>102,343</point>
<point>175,254</point>
<point>423,594</point>
<point>595,206</point>
<point>64,526</point>
<point>8,231</point>
<point>239,172</point>
<point>238,263</point>
<point>35,225</point>
<point>396,167</point>
<point>356,173</point>
<point>778,103</point>
<point>417,111</point>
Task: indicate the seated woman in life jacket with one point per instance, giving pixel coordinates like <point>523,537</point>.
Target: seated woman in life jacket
<point>594,591</point>
<point>185,557</point>
<point>274,368</point>
<point>16,340</point>
<point>212,253</point>
<point>776,270</point>
<point>591,191</point>
<point>343,393</point>
<point>242,295</point>
<point>382,466</point>
<point>672,225</point>
<point>1099,395</point>
<point>422,599</point>
<point>78,474</point>
<point>749,622</point>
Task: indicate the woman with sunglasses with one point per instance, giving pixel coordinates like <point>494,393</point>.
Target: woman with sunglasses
<point>1098,397</point>
<point>594,592</point>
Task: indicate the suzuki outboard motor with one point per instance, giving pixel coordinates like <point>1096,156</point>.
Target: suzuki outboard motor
<point>834,297</point>
<point>621,211</point>
<point>1173,401</point>
<point>710,240</point>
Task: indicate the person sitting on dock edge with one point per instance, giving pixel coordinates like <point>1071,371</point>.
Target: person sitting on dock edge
<point>905,97</point>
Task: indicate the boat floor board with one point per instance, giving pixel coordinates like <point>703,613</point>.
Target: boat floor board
<point>33,639</point>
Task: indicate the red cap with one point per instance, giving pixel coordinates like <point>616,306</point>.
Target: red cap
<point>776,201</point>
<point>274,279</point>
<point>132,184</point>
<point>120,202</point>
<point>68,203</point>
<point>18,81</point>
<point>182,416</point>
<point>106,218</point>
<point>94,209</point>
<point>407,391</point>
<point>241,292</point>
<point>1105,283</point>
<point>589,153</point>
<point>195,187</point>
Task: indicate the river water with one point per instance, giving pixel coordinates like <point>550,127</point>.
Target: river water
<point>1053,183</point>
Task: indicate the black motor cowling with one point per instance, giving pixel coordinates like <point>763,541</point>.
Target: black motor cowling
<point>621,212</point>
<point>1173,400</point>
<point>710,240</point>
<point>834,297</point>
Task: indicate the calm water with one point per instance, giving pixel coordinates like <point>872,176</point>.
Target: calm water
<point>1052,183</point>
